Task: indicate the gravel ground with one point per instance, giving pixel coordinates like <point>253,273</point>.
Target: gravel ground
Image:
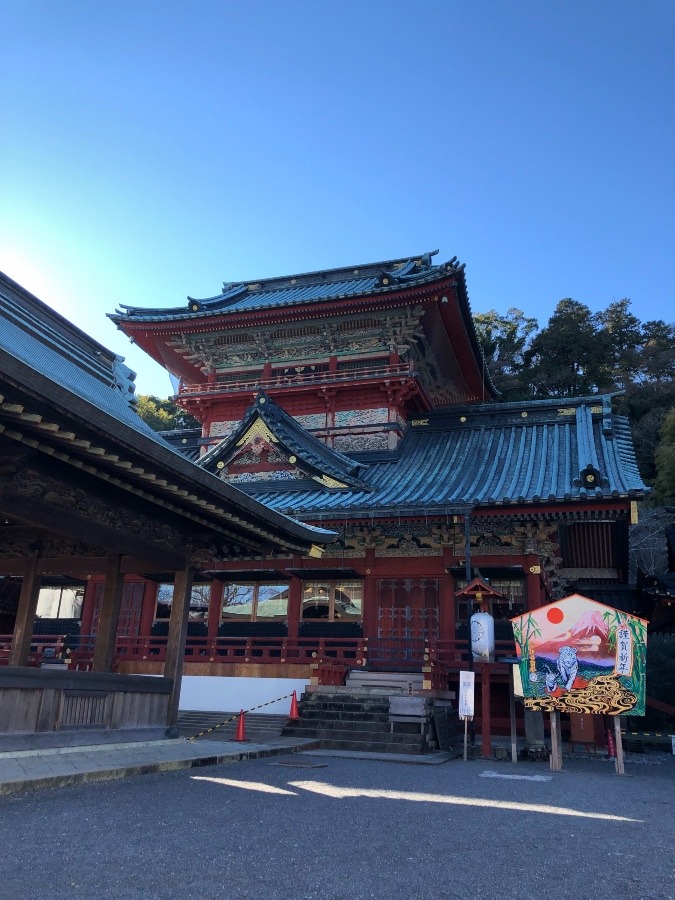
<point>312,828</point>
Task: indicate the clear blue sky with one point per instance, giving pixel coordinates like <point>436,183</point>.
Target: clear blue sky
<point>151,149</point>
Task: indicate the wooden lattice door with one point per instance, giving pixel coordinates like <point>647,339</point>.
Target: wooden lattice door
<point>407,617</point>
<point>129,622</point>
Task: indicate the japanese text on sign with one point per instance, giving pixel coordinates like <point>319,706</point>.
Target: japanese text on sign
<point>466,690</point>
<point>624,651</point>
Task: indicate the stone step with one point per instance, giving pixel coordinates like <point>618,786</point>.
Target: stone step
<point>344,697</point>
<point>258,727</point>
<point>297,729</point>
<point>398,682</point>
<point>358,725</point>
<point>347,705</point>
<point>375,747</point>
<point>307,712</point>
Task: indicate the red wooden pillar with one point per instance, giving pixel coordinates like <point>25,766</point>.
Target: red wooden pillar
<point>294,606</point>
<point>148,608</point>
<point>369,612</point>
<point>215,607</point>
<point>446,622</point>
<point>25,614</point>
<point>485,714</point>
<point>535,594</point>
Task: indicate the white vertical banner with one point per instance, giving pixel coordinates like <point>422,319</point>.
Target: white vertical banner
<point>466,691</point>
<point>624,650</point>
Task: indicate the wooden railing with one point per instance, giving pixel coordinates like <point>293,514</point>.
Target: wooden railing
<point>376,372</point>
<point>444,656</point>
<point>447,658</point>
<point>197,649</point>
<point>347,651</point>
<point>54,644</point>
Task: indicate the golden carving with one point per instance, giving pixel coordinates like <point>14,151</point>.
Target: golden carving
<point>329,482</point>
<point>257,429</point>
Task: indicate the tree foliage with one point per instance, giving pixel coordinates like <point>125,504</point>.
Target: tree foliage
<point>163,415</point>
<point>570,356</point>
<point>504,340</point>
<point>665,461</point>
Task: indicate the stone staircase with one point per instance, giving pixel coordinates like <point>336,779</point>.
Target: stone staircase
<point>259,728</point>
<point>365,720</point>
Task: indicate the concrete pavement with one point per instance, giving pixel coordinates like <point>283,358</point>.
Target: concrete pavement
<point>319,828</point>
<point>22,770</point>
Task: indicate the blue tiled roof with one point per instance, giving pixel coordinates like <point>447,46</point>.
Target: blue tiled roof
<point>311,287</point>
<point>486,455</point>
<point>55,348</point>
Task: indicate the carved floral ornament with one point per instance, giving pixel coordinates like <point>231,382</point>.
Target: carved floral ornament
<point>35,484</point>
<point>49,549</point>
<point>417,539</point>
<point>397,330</point>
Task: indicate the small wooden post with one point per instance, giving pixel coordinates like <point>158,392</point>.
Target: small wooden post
<point>25,614</point>
<point>556,743</point>
<point>618,762</point>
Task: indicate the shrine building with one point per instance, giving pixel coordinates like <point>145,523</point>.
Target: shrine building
<point>358,400</point>
<point>94,504</point>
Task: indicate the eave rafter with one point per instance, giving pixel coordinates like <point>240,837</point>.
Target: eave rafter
<point>36,431</point>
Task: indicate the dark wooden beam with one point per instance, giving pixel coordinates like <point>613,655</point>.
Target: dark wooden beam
<point>73,526</point>
<point>108,616</point>
<point>80,567</point>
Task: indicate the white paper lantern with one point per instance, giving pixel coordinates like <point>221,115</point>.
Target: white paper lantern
<point>483,636</point>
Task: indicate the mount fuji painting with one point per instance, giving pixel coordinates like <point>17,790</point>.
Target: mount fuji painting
<point>577,655</point>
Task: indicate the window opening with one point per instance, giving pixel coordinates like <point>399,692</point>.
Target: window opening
<point>332,601</point>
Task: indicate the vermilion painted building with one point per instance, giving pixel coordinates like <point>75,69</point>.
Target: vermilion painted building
<point>358,399</point>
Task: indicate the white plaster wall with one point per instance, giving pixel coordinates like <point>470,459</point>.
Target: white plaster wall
<point>216,693</point>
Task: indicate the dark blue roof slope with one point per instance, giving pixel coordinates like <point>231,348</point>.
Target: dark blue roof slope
<point>376,281</point>
<point>314,457</point>
<point>311,287</point>
<point>57,349</point>
<point>188,441</point>
<point>486,455</point>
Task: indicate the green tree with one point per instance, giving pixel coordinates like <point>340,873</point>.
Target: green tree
<point>505,340</point>
<point>623,333</point>
<point>650,394</point>
<point>658,351</point>
<point>571,356</point>
<point>665,461</point>
<point>163,415</point>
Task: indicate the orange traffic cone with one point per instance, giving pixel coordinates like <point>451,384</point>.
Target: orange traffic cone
<point>241,728</point>
<point>295,712</point>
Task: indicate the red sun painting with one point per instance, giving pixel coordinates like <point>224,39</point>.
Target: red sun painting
<point>555,615</point>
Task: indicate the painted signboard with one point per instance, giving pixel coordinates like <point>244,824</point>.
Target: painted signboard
<point>577,655</point>
<point>466,692</point>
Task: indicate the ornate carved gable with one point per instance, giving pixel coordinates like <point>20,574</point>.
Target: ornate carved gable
<point>259,455</point>
<point>271,445</point>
